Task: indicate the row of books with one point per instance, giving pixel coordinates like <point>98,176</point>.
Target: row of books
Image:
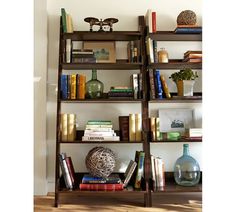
<point>73,86</point>
<point>193,56</point>
<point>99,130</point>
<point>82,56</point>
<point>131,127</point>
<point>121,92</point>
<point>133,51</point>
<point>151,21</point>
<point>67,23</point>
<point>68,127</point>
<point>158,85</point>
<point>132,177</point>
<point>188,29</point>
<point>68,171</point>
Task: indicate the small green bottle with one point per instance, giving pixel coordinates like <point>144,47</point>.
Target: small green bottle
<point>94,87</point>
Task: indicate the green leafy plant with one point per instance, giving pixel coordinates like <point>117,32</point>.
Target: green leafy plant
<point>184,74</point>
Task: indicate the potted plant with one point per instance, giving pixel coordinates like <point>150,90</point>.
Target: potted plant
<point>184,80</point>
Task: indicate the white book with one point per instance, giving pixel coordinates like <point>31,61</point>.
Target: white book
<point>99,134</point>
<point>100,138</point>
<point>68,50</point>
<point>148,19</point>
<point>153,172</point>
<point>129,172</point>
<point>94,126</point>
<point>160,173</point>
<point>99,130</point>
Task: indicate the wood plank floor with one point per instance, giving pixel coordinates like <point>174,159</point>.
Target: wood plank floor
<point>172,202</point>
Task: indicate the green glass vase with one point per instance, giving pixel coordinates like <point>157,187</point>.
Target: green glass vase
<point>94,87</point>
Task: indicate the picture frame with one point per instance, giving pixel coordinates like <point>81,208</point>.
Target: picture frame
<point>176,119</point>
<point>105,52</point>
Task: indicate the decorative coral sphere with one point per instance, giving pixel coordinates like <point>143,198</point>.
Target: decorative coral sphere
<point>100,161</point>
<point>187,17</point>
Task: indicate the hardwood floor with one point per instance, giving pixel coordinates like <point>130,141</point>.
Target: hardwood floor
<point>172,202</point>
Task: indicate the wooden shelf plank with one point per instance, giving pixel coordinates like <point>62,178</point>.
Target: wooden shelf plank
<point>177,141</point>
<point>103,36</point>
<point>100,142</point>
<point>175,64</point>
<point>174,188</point>
<point>117,100</point>
<point>171,36</point>
<point>119,65</point>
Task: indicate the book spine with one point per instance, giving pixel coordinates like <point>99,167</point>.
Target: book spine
<point>62,157</point>
<point>101,187</point>
<point>157,128</point>
<point>63,171</point>
<point>71,127</point>
<point>68,50</point>
<point>138,127</point>
<point>77,86</point>
<point>160,174</point>
<point>63,16</point>
<point>152,84</point>
<point>134,84</point>
<point>68,85</point>
<point>153,173</point>
<point>124,128</point>
<point>64,86</point>
<point>100,138</point>
<point>64,131</point>
<point>82,81</point>
<point>73,86</point>
<point>154,26</point>
<point>188,30</point>
<point>153,128</point>
<point>95,126</point>
<point>158,84</point>
<point>71,169</point>
<point>98,122</point>
<point>132,127</point>
<point>165,87</point>
<point>140,170</point>
<point>155,52</point>
<point>151,52</point>
<point>84,60</point>
<point>140,85</point>
<point>69,24</point>
<point>130,173</point>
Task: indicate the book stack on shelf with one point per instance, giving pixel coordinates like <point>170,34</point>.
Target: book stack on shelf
<point>99,130</point>
<point>94,183</point>
<point>82,56</point>
<point>193,134</point>
<point>131,127</point>
<point>68,127</point>
<point>158,85</point>
<point>158,173</point>
<point>121,92</point>
<point>72,86</point>
<point>156,135</point>
<point>188,29</point>
<point>193,56</point>
<point>68,171</point>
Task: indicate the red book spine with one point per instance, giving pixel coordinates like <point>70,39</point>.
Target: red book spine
<point>71,169</point>
<point>101,187</point>
<point>154,24</point>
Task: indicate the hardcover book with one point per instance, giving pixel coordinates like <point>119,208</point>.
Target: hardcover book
<point>140,169</point>
<point>112,179</point>
<point>152,84</point>
<point>165,87</point>
<point>132,127</point>
<point>158,85</point>
<point>71,127</point>
<point>134,85</point>
<point>71,169</point>
<point>73,86</point>
<point>63,126</point>
<point>138,127</point>
<point>101,187</point>
<point>124,128</point>
<point>82,81</point>
<point>188,30</point>
<point>100,138</point>
<point>64,87</point>
<point>129,172</point>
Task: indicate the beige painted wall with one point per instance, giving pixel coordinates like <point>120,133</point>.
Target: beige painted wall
<point>126,12</point>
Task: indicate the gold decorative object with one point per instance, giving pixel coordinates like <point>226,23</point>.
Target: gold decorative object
<point>163,56</point>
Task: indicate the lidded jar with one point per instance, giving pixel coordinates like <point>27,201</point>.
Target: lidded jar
<point>94,87</point>
<point>163,56</point>
<point>186,169</point>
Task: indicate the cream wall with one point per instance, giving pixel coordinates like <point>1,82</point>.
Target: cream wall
<point>40,76</point>
<point>126,12</point>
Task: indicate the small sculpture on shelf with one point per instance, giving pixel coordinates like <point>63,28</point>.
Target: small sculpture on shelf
<point>106,22</point>
<point>100,161</point>
<point>187,17</point>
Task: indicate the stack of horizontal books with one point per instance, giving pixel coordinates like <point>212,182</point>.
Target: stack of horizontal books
<point>193,56</point>
<point>188,29</point>
<point>99,130</point>
<point>121,92</point>
<point>83,56</point>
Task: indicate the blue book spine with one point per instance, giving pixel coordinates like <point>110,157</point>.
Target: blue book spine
<point>158,85</point>
<point>188,30</point>
<point>64,86</point>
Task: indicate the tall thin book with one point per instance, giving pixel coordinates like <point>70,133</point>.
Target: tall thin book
<point>129,172</point>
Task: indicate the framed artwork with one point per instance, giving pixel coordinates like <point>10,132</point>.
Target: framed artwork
<point>176,120</point>
<point>105,52</point>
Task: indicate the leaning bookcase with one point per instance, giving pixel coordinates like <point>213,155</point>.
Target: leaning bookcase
<point>140,67</point>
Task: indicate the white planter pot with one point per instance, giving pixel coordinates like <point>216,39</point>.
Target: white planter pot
<point>188,87</point>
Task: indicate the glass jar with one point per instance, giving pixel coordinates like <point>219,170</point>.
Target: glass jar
<point>186,169</point>
<point>163,56</point>
<point>94,87</point>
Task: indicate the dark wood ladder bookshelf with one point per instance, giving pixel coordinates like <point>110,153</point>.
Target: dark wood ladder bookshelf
<point>123,65</point>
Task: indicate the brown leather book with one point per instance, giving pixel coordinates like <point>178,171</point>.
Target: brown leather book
<point>124,128</point>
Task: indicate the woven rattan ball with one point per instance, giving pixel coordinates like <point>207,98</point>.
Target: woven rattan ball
<point>100,161</point>
<point>187,17</point>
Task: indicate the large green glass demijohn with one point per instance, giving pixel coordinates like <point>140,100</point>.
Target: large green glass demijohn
<point>94,87</point>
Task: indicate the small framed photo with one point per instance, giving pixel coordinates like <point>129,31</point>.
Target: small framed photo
<point>105,52</point>
<point>177,120</point>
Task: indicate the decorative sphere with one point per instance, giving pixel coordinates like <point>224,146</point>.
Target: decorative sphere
<point>100,161</point>
<point>187,17</point>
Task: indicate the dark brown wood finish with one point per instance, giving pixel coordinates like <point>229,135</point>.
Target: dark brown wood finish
<point>171,36</point>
